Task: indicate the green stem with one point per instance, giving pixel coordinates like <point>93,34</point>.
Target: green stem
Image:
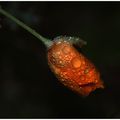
<point>46,41</point>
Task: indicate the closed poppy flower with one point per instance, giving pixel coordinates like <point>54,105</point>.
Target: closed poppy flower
<point>72,68</point>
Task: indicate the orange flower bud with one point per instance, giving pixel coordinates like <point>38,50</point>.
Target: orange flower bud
<point>72,68</point>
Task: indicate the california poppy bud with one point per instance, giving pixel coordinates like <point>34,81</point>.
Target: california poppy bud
<point>72,68</point>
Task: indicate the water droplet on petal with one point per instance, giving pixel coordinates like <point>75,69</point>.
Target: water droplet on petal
<point>66,49</point>
<point>76,62</point>
<point>86,71</point>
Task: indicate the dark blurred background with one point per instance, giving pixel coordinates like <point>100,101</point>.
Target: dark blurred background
<point>28,88</point>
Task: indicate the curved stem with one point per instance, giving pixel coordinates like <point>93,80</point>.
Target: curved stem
<point>46,41</point>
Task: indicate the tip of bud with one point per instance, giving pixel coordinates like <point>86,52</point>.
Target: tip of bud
<point>73,40</point>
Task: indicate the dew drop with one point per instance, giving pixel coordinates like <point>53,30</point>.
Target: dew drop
<point>66,49</point>
<point>86,71</point>
<point>63,80</point>
<point>76,62</point>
